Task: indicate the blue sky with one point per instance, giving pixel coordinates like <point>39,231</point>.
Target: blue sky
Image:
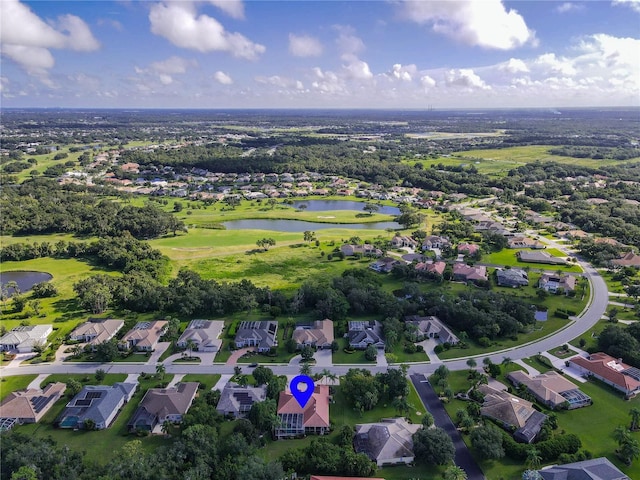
<point>324,54</point>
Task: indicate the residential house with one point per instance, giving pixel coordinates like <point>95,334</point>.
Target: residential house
<point>628,260</point>
<point>512,413</point>
<point>599,468</point>
<point>551,389</point>
<point>469,273</point>
<point>236,400</point>
<point>512,277</point>
<point>525,242</point>
<point>611,371</point>
<point>261,335</point>
<point>96,404</point>
<point>295,420</point>
<point>554,283</point>
<point>468,248</point>
<point>22,339</point>
<point>401,241</point>
<point>434,241</point>
<point>161,405</point>
<point>384,265</point>
<point>430,327</point>
<point>202,335</point>
<point>388,442</point>
<point>96,331</point>
<point>29,406</point>
<point>144,336</point>
<point>361,334</point>
<point>435,268</point>
<point>534,217</point>
<point>573,234</point>
<point>366,249</point>
<point>318,335</point>
<point>539,257</point>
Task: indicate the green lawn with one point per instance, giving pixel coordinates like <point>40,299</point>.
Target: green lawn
<point>102,445</point>
<point>207,380</point>
<point>17,382</point>
<point>507,257</point>
<point>562,353</point>
<point>340,356</point>
<point>85,379</point>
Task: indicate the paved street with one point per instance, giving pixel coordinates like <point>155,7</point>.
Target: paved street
<point>441,419</point>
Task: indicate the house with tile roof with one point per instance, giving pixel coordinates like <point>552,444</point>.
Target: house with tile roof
<point>554,283</point>
<point>236,400</point>
<point>430,327</point>
<point>203,334</point>
<point>593,469</point>
<point>365,249</point>
<point>144,336</point>
<point>29,406</point>
<point>22,339</point>
<point>388,442</point>
<point>468,248</point>
<point>611,371</point>
<point>433,268</point>
<point>99,404</point>
<point>512,277</point>
<point>551,389</point>
<point>435,241</point>
<point>469,273</point>
<point>400,241</point>
<point>525,242</point>
<point>261,335</point>
<point>161,405</point>
<point>318,335</point>
<point>361,334</point>
<point>628,260</point>
<point>95,331</point>
<point>512,413</point>
<point>295,421</point>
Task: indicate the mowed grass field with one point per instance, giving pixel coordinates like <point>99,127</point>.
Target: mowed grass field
<point>499,161</point>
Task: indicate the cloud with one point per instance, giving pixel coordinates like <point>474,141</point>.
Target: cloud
<point>182,26</point>
<point>632,4</point>
<point>514,65</point>
<point>427,82</point>
<point>356,68</point>
<point>347,41</point>
<point>486,24</point>
<point>552,64</point>
<point>27,39</point>
<point>115,24</point>
<point>403,73</point>
<point>568,7</point>
<point>222,78</point>
<point>278,81</point>
<point>233,8</point>
<point>165,69</point>
<point>464,77</point>
<point>304,46</point>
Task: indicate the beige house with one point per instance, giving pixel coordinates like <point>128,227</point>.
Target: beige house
<point>204,335</point>
<point>22,339</point>
<point>388,442</point>
<point>29,406</point>
<point>144,336</point>
<point>551,389</point>
<point>161,405</point>
<point>96,331</point>
<point>320,335</point>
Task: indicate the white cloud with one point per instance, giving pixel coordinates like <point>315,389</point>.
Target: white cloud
<point>222,78</point>
<point>552,64</point>
<point>356,68</point>
<point>233,8</point>
<point>464,77</point>
<point>514,65</point>
<point>182,26</point>
<point>347,41</point>
<point>27,39</point>
<point>173,65</point>
<point>403,73</point>
<point>304,46</point>
<point>486,24</point>
<point>568,7</point>
<point>427,82</point>
<point>633,4</point>
<point>115,24</point>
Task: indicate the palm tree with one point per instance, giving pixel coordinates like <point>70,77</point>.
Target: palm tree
<point>621,435</point>
<point>190,346</point>
<point>629,451</point>
<point>635,419</point>
<point>160,371</point>
<point>533,459</point>
<point>305,368</point>
<point>328,375</point>
<point>506,362</point>
<point>455,473</point>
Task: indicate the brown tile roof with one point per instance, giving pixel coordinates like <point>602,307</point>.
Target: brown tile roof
<point>320,334</point>
<point>170,401</point>
<point>315,412</point>
<point>629,260</point>
<point>32,404</point>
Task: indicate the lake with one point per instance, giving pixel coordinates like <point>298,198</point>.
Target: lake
<point>25,279</point>
<point>302,226</point>
<point>324,205</point>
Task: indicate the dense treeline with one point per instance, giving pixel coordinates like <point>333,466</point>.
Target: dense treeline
<point>41,206</point>
<point>622,342</point>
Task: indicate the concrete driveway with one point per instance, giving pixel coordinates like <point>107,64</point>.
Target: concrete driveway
<point>463,458</point>
<point>381,360</point>
<point>323,358</point>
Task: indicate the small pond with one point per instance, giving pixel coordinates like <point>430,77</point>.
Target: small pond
<point>302,226</point>
<point>24,279</point>
<point>324,205</point>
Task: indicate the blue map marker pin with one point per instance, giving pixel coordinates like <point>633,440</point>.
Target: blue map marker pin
<point>302,397</point>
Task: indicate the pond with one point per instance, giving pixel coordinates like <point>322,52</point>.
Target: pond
<point>302,226</point>
<point>24,279</point>
<point>324,205</point>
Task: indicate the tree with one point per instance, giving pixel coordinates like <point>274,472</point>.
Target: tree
<point>305,368</point>
<point>371,352</point>
<point>371,208</point>
<point>432,446</point>
<point>73,387</point>
<point>531,475</point>
<point>24,473</point>
<point>19,302</point>
<point>487,440</point>
<point>263,415</point>
<point>306,353</point>
<point>454,473</point>
<point>427,419</point>
<point>533,459</point>
<point>635,419</point>
<point>262,375</point>
<point>44,290</point>
<point>309,236</point>
<point>100,374</point>
<point>472,364</point>
<point>328,375</point>
<point>107,351</point>
<point>160,371</point>
<point>629,450</point>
